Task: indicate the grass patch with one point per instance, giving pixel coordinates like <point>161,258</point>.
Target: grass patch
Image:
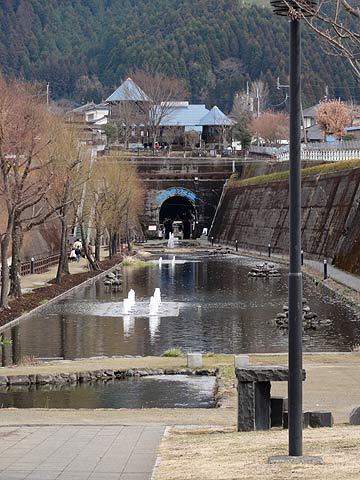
<point>173,353</point>
<point>136,262</point>
<point>322,169</point>
<point>212,454</point>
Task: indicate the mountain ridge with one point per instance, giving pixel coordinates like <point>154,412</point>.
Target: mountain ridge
<point>84,48</point>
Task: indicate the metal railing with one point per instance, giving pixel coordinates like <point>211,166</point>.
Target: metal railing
<point>38,265</point>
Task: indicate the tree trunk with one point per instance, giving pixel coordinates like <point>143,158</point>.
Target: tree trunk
<point>5,242</point>
<point>113,244</point>
<point>97,246</point>
<point>63,265</point>
<point>15,269</point>
<point>92,264</point>
<point>110,243</point>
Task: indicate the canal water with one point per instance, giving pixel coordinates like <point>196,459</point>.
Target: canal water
<point>213,306</point>
<point>160,391</point>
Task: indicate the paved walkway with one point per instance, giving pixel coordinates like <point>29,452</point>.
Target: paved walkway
<point>340,276</point>
<point>78,452</point>
<point>347,279</point>
<point>36,280</point>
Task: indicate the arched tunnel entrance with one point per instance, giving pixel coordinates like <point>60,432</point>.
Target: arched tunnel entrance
<point>177,215</point>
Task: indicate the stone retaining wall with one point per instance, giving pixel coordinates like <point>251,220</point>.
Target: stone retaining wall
<point>257,215</point>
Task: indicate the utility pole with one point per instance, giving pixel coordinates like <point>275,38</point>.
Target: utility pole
<point>279,86</point>
<point>47,93</point>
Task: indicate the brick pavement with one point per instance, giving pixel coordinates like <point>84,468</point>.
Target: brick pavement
<point>78,452</point>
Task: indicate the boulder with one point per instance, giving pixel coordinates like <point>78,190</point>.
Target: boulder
<point>19,380</point>
<point>84,377</point>
<point>44,379</point>
<point>3,380</point>
<point>355,416</point>
<point>320,419</point>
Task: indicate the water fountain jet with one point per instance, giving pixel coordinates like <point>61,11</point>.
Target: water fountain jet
<point>126,305</point>
<point>131,298</point>
<point>154,306</point>
<point>157,295</point>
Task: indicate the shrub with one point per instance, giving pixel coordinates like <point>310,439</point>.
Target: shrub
<point>173,352</point>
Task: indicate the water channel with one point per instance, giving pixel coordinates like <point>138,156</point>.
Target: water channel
<point>160,391</point>
<point>215,307</point>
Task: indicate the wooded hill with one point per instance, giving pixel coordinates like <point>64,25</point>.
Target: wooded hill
<point>84,48</point>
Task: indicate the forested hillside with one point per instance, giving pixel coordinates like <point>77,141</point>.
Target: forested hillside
<point>84,48</point>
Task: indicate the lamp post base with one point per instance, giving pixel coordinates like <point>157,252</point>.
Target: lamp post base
<point>304,459</point>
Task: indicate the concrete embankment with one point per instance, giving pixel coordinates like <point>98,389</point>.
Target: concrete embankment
<point>256,213</point>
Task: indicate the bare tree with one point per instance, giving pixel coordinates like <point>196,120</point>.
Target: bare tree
<point>333,117</point>
<point>118,183</point>
<point>336,22</point>
<point>24,156</point>
<point>271,127</point>
<point>160,99</point>
<point>191,138</point>
<point>71,164</point>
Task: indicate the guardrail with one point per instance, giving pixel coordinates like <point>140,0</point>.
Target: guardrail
<point>38,265</point>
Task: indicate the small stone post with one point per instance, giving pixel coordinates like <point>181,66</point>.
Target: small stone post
<point>241,361</point>
<point>194,360</point>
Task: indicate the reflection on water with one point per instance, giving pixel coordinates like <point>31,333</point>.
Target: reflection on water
<point>161,391</point>
<point>219,309</point>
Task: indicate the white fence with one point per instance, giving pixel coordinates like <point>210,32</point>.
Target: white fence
<point>322,155</point>
<point>324,152</point>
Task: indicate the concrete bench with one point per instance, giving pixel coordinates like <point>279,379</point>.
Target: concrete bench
<point>254,385</point>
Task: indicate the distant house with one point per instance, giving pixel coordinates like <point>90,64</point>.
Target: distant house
<point>97,114</point>
<point>91,118</point>
<point>131,111</point>
<point>314,132</point>
<point>217,127</point>
<point>78,114</point>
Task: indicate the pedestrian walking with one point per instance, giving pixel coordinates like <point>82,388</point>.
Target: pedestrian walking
<point>78,248</point>
<point>72,256</point>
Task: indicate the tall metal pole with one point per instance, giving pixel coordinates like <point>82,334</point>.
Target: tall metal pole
<point>295,275</point>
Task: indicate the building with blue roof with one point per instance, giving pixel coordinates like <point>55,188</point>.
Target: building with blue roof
<point>132,111</point>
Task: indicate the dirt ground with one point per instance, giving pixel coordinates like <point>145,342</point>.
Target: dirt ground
<point>215,454</point>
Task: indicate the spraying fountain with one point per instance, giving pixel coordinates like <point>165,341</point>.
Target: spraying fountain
<point>173,260</point>
<point>160,262</point>
<point>154,306</point>
<point>126,305</point>
<point>157,295</point>
<point>131,298</point>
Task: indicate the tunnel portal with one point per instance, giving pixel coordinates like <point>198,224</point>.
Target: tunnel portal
<point>177,215</point>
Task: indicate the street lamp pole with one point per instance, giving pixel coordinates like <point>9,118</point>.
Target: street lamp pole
<point>295,275</point>
<point>294,10</point>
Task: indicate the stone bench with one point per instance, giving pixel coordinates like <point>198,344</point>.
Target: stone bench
<point>254,385</point>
